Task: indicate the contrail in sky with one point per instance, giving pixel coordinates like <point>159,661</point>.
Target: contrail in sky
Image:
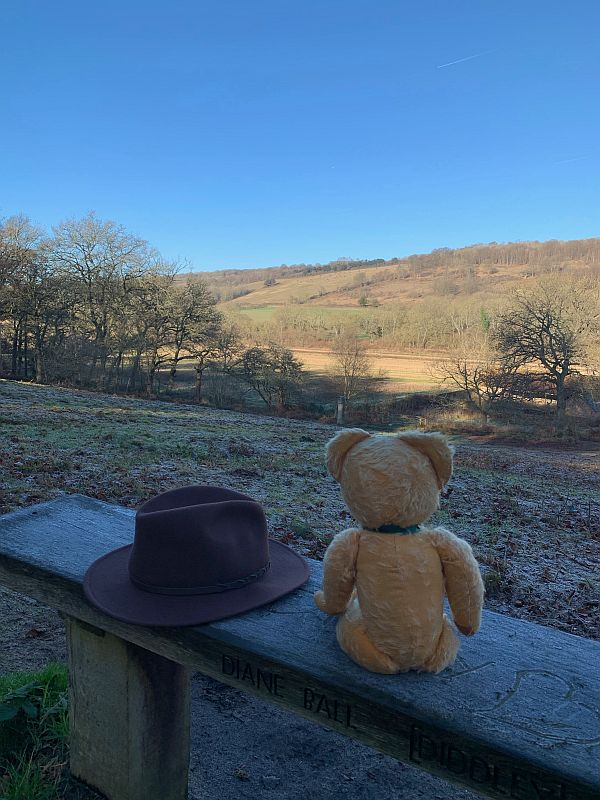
<point>460,60</point>
<point>568,160</point>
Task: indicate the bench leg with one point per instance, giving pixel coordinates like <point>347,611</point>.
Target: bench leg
<point>129,714</point>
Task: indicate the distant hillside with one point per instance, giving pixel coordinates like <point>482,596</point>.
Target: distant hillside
<point>481,269</point>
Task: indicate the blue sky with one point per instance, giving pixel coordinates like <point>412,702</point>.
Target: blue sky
<point>239,133</point>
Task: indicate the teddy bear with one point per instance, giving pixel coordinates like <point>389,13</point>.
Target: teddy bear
<point>387,577</point>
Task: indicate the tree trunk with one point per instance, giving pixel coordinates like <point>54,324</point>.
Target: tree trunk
<point>199,373</point>
<point>39,361</point>
<point>561,403</point>
<point>133,373</point>
<point>15,351</point>
<point>40,367</point>
<point>173,370</point>
<point>113,372</point>
<point>24,359</point>
<point>151,376</point>
<point>99,353</point>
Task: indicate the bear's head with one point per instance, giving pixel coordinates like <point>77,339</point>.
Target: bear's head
<point>390,480</point>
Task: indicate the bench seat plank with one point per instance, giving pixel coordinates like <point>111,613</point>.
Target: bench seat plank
<point>517,716</point>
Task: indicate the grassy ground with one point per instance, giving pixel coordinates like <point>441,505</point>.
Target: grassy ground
<point>126,450</point>
<point>266,313</point>
<point>33,733</point>
<point>324,288</point>
<point>532,515</point>
<point>391,284</point>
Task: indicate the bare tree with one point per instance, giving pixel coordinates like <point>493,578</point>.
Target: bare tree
<point>229,346</point>
<point>197,325</point>
<point>352,365</point>
<point>100,259</point>
<point>273,372</point>
<point>46,303</point>
<point>477,370</point>
<point>29,295</point>
<point>546,329</point>
<point>224,354</point>
<point>154,319</point>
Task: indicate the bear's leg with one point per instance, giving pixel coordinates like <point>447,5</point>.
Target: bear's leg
<point>354,640</point>
<point>446,650</point>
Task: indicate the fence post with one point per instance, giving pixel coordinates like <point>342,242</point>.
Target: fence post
<point>340,411</point>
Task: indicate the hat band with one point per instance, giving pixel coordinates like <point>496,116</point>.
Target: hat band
<point>189,590</point>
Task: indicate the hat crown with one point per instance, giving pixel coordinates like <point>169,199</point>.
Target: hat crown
<point>198,540</point>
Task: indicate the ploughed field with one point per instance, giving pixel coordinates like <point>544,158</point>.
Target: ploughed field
<point>532,515</point>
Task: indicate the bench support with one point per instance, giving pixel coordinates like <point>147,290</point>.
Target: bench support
<point>129,714</point>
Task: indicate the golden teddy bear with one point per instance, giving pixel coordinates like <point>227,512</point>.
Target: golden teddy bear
<point>388,578</point>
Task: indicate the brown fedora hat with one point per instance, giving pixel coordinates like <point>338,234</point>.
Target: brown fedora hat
<point>199,554</point>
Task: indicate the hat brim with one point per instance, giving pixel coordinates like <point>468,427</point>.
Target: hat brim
<point>107,586</point>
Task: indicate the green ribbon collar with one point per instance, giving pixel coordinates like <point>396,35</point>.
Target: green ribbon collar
<point>395,529</point>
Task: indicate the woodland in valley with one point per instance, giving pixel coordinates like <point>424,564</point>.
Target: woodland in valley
<point>500,326</point>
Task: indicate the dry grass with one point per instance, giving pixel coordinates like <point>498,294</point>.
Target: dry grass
<point>387,284</point>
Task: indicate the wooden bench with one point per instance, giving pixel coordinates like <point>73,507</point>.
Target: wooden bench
<point>518,716</point>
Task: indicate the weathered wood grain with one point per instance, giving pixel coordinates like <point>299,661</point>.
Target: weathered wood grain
<point>129,717</point>
<point>517,716</point>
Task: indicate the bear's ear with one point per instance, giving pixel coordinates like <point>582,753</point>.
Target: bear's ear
<point>435,446</point>
<point>337,449</point>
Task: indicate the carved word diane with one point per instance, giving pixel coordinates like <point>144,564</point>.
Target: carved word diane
<point>321,705</point>
<point>245,672</point>
<point>506,781</point>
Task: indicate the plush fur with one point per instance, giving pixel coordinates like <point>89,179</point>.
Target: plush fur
<point>389,588</point>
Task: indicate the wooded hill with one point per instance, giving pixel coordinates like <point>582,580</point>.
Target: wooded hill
<point>482,269</point>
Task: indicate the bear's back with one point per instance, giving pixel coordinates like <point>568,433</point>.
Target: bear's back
<point>400,587</point>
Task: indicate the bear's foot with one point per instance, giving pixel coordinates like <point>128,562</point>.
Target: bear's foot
<point>445,652</point>
<point>355,642</point>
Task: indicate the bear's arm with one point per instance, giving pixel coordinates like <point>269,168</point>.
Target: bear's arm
<point>464,586</point>
<point>339,573</point>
